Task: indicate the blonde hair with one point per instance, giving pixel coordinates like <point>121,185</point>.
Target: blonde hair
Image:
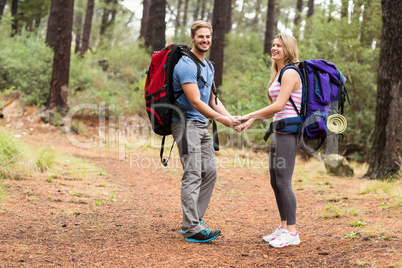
<point>198,25</point>
<point>289,44</point>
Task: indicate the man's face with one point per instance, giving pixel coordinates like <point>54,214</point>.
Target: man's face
<point>202,40</point>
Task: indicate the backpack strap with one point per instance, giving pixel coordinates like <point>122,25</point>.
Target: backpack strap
<point>291,124</point>
<point>186,51</point>
<point>164,161</point>
<point>214,126</point>
<point>292,66</point>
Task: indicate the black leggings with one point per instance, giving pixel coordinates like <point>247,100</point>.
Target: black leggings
<point>282,156</point>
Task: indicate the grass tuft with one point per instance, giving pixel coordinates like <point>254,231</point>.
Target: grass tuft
<point>11,150</point>
<point>45,159</point>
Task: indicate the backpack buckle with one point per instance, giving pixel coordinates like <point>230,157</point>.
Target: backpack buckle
<point>279,125</point>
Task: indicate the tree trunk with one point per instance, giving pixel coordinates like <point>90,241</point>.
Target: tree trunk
<point>369,34</point>
<point>344,9</point>
<point>229,16</point>
<point>220,25</point>
<point>14,14</point>
<point>203,8</point>
<point>256,20</point>
<point>269,27</point>
<point>78,31</point>
<point>185,13</point>
<point>2,5</point>
<point>87,27</point>
<point>159,38</point>
<point>149,24</point>
<point>310,11</point>
<point>61,61</point>
<point>105,17</point>
<point>357,11</point>
<point>51,33</point>
<point>296,27</point>
<point>386,153</point>
<point>178,18</point>
<point>277,13</point>
<point>196,10</point>
<point>107,22</point>
<point>144,19</point>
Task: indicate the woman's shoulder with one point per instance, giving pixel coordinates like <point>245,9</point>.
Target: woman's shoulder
<point>290,73</point>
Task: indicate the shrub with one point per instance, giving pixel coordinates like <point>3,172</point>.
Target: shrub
<point>26,65</point>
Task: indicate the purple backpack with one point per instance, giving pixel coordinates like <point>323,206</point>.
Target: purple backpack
<point>323,94</point>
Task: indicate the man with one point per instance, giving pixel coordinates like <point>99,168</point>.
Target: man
<point>199,166</point>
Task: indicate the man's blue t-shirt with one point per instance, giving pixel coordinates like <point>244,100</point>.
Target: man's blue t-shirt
<point>184,72</point>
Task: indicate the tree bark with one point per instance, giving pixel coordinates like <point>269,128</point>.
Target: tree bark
<point>78,31</point>
<point>185,12</point>
<point>107,22</point>
<point>178,18</point>
<point>229,16</point>
<point>2,5</point>
<point>296,27</point>
<point>178,15</point>
<point>310,11</point>
<point>87,27</point>
<point>51,33</point>
<point>105,17</point>
<point>203,8</point>
<point>61,60</point>
<point>220,25</point>
<point>159,38</point>
<point>14,14</point>
<point>269,27</point>
<point>144,19</point>
<point>196,10</point>
<point>386,153</point>
<point>148,22</point>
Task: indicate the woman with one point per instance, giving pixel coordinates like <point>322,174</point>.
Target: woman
<point>284,146</point>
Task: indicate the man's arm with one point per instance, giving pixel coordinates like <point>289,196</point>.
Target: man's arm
<point>220,108</point>
<point>193,95</point>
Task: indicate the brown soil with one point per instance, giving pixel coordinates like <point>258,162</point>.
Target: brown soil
<point>62,222</point>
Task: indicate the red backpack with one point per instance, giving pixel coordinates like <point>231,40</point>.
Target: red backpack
<point>160,100</point>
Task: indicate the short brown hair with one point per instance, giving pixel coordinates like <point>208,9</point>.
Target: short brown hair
<point>198,25</point>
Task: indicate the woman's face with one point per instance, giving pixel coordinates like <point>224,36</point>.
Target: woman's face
<point>277,51</point>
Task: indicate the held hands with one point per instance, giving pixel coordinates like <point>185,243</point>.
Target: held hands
<point>238,123</point>
<point>230,121</point>
<point>246,122</point>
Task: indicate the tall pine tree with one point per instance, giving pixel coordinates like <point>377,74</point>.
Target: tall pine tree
<point>386,153</point>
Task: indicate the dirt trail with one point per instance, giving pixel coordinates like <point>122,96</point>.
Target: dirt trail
<point>128,216</point>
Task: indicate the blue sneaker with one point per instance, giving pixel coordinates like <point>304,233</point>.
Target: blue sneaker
<point>204,236</point>
<point>202,223</point>
<point>182,232</point>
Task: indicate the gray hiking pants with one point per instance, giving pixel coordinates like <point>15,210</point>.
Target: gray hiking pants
<point>199,173</point>
<point>282,156</point>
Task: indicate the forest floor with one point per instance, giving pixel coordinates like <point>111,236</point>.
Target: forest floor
<point>93,210</point>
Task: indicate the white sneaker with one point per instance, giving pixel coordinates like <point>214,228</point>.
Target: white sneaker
<point>286,239</point>
<point>278,231</point>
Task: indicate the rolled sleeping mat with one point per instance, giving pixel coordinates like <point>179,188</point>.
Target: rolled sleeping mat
<point>337,123</point>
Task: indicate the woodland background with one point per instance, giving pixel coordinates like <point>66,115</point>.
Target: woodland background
<point>111,42</point>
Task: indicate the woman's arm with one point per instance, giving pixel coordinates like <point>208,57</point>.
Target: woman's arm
<point>290,81</point>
